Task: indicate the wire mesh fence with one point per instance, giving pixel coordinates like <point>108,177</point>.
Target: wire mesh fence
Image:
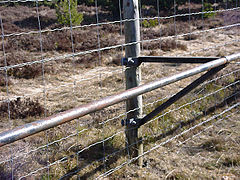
<point>47,67</point>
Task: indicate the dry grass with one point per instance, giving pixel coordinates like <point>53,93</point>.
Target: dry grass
<point>211,155</point>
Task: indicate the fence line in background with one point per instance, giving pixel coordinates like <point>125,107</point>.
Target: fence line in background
<point>121,21</point>
<point>45,60</point>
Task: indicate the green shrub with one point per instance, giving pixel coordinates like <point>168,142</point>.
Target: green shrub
<point>150,23</point>
<point>47,3</point>
<point>208,7</point>
<point>63,15</point>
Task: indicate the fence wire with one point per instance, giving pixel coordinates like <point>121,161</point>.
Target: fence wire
<point>47,67</point>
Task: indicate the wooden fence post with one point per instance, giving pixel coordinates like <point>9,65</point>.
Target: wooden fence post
<point>132,74</point>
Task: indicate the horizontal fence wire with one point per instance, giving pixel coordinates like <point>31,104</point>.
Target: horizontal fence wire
<point>95,146</point>
<point>113,47</point>
<point>145,105</point>
<point>62,160</point>
<point>94,76</point>
<point>169,140</point>
<point>23,1</point>
<point>122,21</point>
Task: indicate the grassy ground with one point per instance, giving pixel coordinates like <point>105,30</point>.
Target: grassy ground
<point>76,149</point>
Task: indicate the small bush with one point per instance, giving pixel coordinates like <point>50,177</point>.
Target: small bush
<point>3,80</point>
<point>150,23</point>
<point>63,15</point>
<point>171,44</point>
<point>88,60</point>
<point>213,145</point>
<point>61,40</point>
<point>191,37</point>
<point>165,45</point>
<point>26,72</point>
<point>4,174</point>
<point>208,7</point>
<point>22,108</point>
<point>231,161</point>
<point>178,176</point>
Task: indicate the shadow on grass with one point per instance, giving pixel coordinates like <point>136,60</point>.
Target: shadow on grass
<point>96,159</point>
<point>96,154</point>
<point>32,22</point>
<point>4,174</point>
<point>235,96</point>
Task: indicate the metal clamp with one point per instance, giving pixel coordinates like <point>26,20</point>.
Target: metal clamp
<point>130,62</point>
<point>132,122</point>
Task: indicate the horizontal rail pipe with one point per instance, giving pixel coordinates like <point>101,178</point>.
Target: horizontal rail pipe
<point>26,130</point>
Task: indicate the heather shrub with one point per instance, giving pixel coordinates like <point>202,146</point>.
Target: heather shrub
<point>21,108</point>
<point>63,14</point>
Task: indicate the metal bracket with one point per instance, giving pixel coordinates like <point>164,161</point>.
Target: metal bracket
<point>134,62</point>
<point>132,122</point>
<point>130,62</point>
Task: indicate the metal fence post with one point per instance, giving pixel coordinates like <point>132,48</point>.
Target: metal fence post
<point>133,75</point>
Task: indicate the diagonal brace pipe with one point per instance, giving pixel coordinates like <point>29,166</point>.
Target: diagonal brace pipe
<point>179,95</point>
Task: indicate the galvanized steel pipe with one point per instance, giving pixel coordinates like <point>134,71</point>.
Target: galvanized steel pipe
<point>63,117</point>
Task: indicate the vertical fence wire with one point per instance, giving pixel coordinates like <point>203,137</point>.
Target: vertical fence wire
<point>73,65</point>
<point>159,22</point>
<point>43,81</point>
<point>7,89</point>
<point>203,27</point>
<point>189,21</point>
<point>174,21</point>
<point>141,23</point>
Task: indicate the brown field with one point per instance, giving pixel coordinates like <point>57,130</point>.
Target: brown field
<point>41,89</point>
